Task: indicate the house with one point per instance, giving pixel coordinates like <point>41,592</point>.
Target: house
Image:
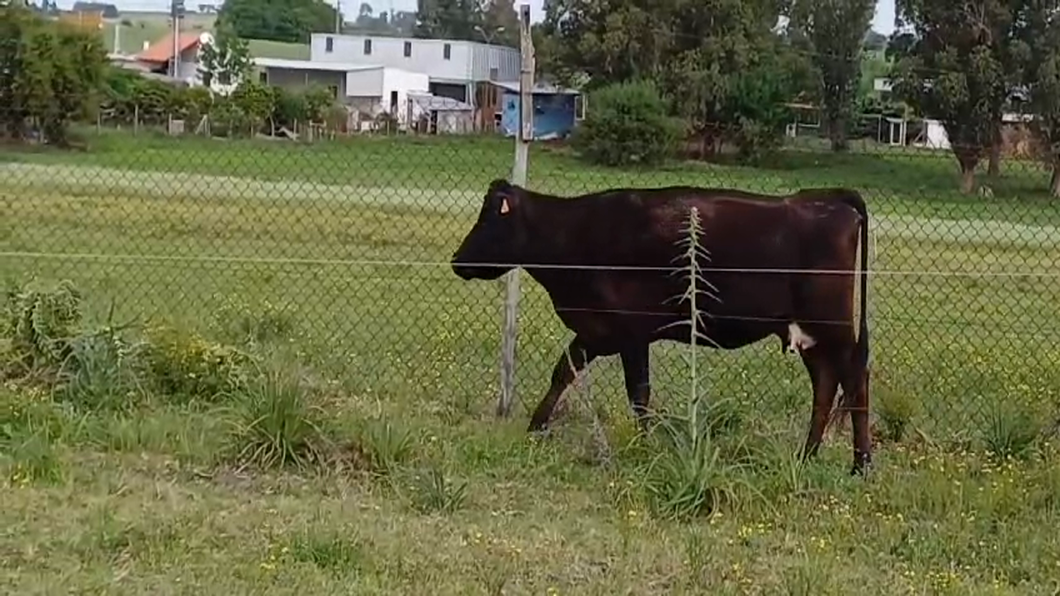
<point>369,90</point>
<point>156,57</point>
<point>454,67</point>
<point>556,110</point>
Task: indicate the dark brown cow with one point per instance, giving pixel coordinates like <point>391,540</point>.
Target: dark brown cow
<point>781,266</point>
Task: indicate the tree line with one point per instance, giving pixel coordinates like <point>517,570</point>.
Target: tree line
<point>293,21</point>
<point>725,68</point>
<point>54,74</point>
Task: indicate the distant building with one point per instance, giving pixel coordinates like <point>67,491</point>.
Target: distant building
<point>556,110</point>
<point>156,57</point>
<point>109,11</point>
<point>454,67</point>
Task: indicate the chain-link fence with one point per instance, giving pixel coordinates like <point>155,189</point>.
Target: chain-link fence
<point>340,249</point>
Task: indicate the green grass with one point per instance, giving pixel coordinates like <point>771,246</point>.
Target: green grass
<point>264,48</point>
<point>391,474</point>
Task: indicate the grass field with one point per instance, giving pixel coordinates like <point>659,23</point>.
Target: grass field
<point>333,258</point>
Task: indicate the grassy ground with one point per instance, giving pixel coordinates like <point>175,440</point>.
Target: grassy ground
<point>332,257</point>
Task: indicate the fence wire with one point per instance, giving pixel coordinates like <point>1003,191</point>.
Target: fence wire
<point>340,248</point>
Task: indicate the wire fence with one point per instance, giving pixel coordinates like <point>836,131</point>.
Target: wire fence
<point>340,249</point>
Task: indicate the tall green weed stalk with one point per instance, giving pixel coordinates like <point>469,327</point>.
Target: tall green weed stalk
<point>692,471</point>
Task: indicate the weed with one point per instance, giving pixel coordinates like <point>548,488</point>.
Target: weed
<point>1011,432</point>
<point>385,445</point>
<point>39,321</point>
<point>691,473</point>
<point>32,459</point>
<point>187,367</point>
<point>244,323</point>
<point>432,492</point>
<point>896,411</point>
<point>329,551</point>
<point>275,425</point>
<point>100,373</point>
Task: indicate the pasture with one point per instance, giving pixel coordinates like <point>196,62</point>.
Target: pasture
<point>332,261</point>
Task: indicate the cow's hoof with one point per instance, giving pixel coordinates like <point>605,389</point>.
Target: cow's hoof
<point>861,467</point>
<point>537,429</point>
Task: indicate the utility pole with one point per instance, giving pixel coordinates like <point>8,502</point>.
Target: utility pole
<point>176,11</point>
<point>518,177</point>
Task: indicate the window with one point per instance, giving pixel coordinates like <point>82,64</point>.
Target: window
<point>394,102</point>
<point>447,51</point>
<point>334,90</point>
<point>263,77</point>
<point>408,49</point>
<point>224,78</point>
<point>329,44</point>
<point>207,79</point>
<point>367,47</point>
<point>579,107</point>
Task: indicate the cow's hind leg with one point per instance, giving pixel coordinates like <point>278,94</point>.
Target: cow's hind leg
<point>824,376</point>
<point>576,357</point>
<point>638,380</point>
<point>856,400</point>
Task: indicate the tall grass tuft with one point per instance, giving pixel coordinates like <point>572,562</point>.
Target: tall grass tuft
<point>275,425</point>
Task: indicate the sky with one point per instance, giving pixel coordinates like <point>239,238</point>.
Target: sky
<point>883,22</point>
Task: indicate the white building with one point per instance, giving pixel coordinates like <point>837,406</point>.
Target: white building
<point>369,90</point>
<point>454,67</point>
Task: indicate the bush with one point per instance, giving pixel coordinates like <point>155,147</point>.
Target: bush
<point>49,72</point>
<point>628,124</point>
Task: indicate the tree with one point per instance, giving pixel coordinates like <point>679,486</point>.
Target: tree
<point>278,20</point>
<point>703,54</point>
<point>952,67</point>
<point>448,19</point>
<point>501,23</point>
<point>226,60</point>
<point>1043,82</point>
<point>834,33</point>
<point>50,72</point>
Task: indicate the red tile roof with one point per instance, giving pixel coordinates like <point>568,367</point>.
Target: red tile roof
<point>162,50</point>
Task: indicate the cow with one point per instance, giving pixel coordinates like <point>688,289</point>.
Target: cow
<point>781,266</point>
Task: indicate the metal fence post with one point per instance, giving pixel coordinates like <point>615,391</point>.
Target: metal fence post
<point>519,168</point>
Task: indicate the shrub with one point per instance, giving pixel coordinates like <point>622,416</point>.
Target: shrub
<point>628,124</point>
<point>185,365</point>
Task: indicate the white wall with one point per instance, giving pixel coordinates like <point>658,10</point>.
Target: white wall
<point>467,61</point>
<point>402,81</point>
<point>364,83</point>
<point>369,90</point>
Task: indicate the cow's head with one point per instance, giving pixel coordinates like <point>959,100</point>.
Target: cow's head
<point>494,244</point>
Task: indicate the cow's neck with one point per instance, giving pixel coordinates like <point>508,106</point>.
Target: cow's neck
<point>553,226</point>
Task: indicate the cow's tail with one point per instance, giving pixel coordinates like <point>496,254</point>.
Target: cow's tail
<point>860,358</point>
<point>861,348</point>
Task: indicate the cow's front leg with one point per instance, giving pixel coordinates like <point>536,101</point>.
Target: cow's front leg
<point>576,357</point>
<point>638,380</point>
